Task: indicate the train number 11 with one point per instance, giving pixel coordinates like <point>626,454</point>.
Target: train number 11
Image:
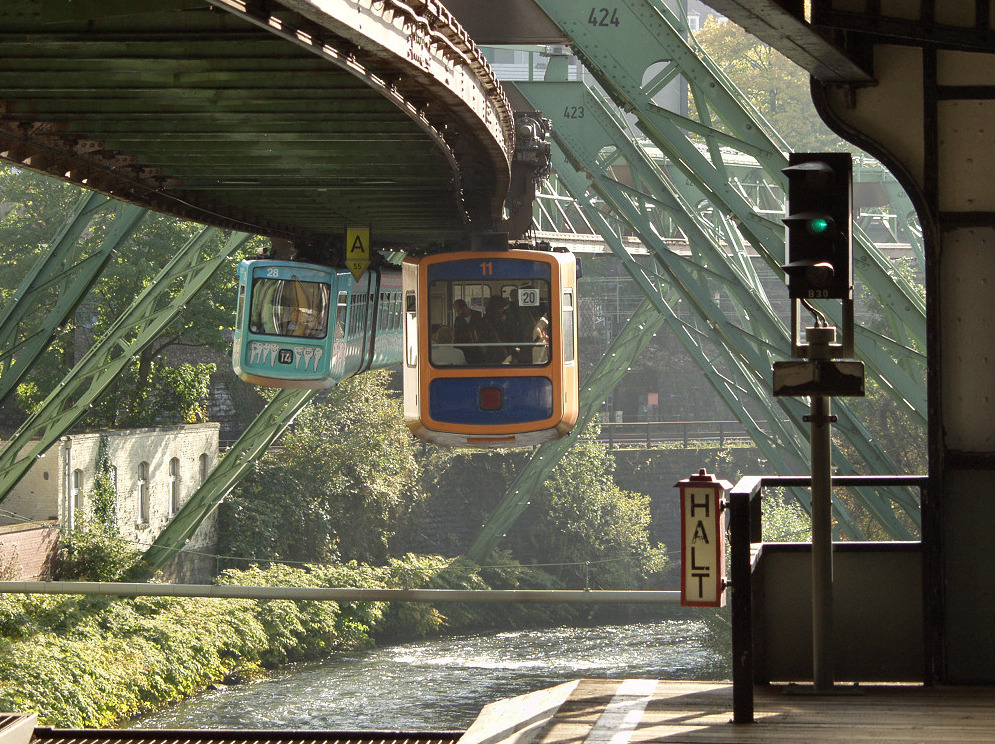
<point>487,268</point>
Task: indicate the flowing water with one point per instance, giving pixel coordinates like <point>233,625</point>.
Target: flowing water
<point>441,684</point>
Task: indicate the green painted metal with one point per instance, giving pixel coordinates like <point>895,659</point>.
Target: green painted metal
<point>161,302</point>
<point>260,434</point>
<point>56,285</point>
<point>631,340</point>
<point>649,34</point>
<point>757,336</point>
<point>782,440</point>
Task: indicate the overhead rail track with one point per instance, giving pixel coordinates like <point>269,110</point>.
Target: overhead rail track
<point>287,118</point>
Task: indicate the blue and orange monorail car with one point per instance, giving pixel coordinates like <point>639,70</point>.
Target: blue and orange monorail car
<point>490,347</point>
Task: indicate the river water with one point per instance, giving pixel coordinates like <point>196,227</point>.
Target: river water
<point>440,684</point>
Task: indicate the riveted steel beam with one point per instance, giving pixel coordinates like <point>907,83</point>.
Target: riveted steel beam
<point>597,144</point>
<point>258,436</point>
<point>621,56</point>
<point>275,117</point>
<point>56,284</point>
<point>158,305</point>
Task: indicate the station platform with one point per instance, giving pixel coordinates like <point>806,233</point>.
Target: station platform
<point>632,711</point>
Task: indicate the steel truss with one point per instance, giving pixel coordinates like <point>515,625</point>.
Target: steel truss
<point>661,174</point>
<point>158,305</point>
<point>57,283</point>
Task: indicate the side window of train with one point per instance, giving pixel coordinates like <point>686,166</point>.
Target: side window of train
<point>568,325</point>
<point>241,306</point>
<point>357,318</point>
<point>341,313</point>
<point>411,329</point>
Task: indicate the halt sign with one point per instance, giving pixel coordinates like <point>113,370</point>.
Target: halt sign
<point>703,533</point>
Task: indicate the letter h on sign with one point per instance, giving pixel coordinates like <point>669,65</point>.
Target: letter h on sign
<point>703,540</point>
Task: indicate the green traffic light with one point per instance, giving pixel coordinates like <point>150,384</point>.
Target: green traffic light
<point>818,225</point>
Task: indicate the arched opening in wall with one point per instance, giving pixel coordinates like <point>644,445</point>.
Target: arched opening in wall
<point>203,462</point>
<point>174,486</point>
<point>143,493</point>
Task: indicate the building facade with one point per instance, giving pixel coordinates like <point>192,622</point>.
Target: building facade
<point>153,472</point>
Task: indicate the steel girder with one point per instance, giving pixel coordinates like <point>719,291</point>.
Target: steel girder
<point>56,285</point>
<point>161,302</point>
<point>649,34</point>
<point>624,349</point>
<point>255,440</point>
<point>757,334</point>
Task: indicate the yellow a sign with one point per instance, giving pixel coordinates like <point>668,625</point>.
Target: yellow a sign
<point>357,250</point>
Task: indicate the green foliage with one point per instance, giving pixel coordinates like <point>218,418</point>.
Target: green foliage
<point>592,533</point>
<point>784,520</point>
<point>502,572</point>
<point>103,496</point>
<point>89,662</point>
<point>345,480</point>
<point>32,209</point>
<point>94,551</point>
<point>777,87</point>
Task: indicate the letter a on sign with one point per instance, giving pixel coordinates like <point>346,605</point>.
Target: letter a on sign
<point>357,250</point>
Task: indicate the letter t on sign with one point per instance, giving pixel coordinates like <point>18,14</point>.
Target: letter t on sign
<point>703,528</point>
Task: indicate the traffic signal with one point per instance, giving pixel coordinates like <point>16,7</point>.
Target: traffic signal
<point>818,221</point>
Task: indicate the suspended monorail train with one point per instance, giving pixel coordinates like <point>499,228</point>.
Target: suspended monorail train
<point>302,325</point>
<point>490,347</point>
<point>488,339</point>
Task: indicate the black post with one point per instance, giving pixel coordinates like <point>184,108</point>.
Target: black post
<point>742,604</point>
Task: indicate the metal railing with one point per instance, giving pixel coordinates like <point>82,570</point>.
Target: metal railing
<point>745,531</point>
<point>686,433</point>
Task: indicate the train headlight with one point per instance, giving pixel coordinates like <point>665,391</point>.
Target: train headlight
<point>491,399</point>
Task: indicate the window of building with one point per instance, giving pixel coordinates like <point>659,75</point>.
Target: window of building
<point>77,487</point>
<point>203,467</point>
<point>143,493</point>
<point>174,486</point>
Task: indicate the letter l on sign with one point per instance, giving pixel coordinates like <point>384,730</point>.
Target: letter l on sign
<point>703,532</point>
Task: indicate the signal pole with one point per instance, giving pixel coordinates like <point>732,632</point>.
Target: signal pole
<point>820,267</point>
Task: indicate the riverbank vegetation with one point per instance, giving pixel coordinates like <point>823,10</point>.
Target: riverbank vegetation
<point>349,483</point>
<point>93,661</point>
<point>336,506</point>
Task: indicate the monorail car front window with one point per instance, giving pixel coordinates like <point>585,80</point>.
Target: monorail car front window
<point>289,307</point>
<point>486,324</point>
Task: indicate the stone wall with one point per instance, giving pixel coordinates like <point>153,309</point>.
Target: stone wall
<point>167,464</point>
<point>28,551</point>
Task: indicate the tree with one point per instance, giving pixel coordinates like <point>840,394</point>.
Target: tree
<point>777,87</point>
<point>345,479</point>
<point>32,209</point>
<point>585,529</point>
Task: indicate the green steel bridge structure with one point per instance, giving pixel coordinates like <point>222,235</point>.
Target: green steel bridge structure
<point>293,119</point>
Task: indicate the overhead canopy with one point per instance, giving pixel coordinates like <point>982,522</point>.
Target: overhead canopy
<point>291,119</point>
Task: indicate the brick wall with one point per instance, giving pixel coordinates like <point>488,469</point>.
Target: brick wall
<point>175,458</point>
<point>28,552</point>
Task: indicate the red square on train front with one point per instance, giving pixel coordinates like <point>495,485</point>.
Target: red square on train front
<point>491,399</point>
